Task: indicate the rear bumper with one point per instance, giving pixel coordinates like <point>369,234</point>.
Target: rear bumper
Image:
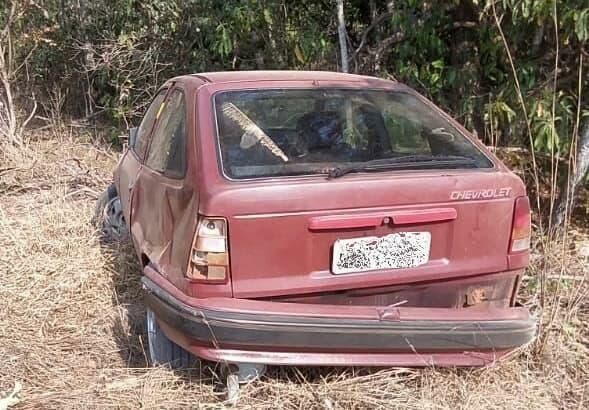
<point>267,332</point>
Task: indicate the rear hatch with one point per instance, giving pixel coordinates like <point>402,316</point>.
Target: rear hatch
<point>282,237</point>
<point>310,171</point>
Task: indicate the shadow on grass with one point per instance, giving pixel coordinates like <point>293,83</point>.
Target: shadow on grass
<point>129,328</point>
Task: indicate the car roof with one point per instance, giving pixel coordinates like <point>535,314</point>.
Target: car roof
<point>238,76</point>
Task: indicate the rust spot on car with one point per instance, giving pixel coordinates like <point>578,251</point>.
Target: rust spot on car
<point>477,296</point>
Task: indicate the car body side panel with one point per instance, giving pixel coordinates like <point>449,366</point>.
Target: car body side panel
<point>164,210</point>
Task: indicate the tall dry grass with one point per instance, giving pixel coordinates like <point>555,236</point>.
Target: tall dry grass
<point>72,330</point>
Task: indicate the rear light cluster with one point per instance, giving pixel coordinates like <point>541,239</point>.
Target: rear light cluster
<point>209,260</point>
<point>521,228</point>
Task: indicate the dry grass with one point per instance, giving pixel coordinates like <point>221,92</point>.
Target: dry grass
<point>72,332</point>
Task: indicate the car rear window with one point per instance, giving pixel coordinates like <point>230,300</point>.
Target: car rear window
<point>270,133</point>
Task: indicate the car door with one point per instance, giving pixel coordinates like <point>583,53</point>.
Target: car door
<point>130,163</point>
<point>164,205</point>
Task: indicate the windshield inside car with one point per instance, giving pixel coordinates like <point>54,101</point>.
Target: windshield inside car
<point>269,133</point>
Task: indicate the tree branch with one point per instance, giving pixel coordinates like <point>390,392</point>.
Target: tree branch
<point>384,44</point>
<point>376,22</point>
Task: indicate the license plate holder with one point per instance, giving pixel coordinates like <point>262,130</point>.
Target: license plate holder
<point>399,250</point>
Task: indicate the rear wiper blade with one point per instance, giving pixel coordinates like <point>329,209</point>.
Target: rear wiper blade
<point>406,161</point>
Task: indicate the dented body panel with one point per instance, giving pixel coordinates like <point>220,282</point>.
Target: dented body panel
<point>280,235</point>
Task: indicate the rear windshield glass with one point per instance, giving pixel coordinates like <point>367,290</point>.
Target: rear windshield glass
<point>270,133</point>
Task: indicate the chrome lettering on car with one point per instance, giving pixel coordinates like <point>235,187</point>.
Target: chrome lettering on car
<point>492,193</point>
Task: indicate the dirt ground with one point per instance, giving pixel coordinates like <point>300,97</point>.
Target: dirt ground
<point>72,323</point>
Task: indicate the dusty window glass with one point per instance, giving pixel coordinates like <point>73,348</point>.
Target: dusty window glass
<point>142,141</point>
<point>267,133</point>
<point>167,152</point>
<point>404,135</point>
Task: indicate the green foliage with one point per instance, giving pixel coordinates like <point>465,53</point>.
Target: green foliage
<point>110,56</point>
<point>579,19</point>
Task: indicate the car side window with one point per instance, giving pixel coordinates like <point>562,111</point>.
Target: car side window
<point>142,140</point>
<point>167,152</point>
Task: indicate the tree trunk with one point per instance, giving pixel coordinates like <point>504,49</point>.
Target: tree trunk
<point>465,58</point>
<point>341,31</point>
<point>566,199</point>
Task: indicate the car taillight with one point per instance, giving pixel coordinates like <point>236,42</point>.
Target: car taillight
<point>209,260</point>
<point>521,228</point>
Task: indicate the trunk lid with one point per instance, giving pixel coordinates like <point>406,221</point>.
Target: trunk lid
<point>282,232</point>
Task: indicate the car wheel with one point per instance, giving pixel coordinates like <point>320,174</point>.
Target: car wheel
<point>162,351</point>
<point>108,215</point>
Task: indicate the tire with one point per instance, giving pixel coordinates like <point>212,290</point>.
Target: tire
<point>108,215</point>
<point>162,351</point>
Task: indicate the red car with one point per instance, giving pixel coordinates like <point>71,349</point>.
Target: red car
<point>316,218</point>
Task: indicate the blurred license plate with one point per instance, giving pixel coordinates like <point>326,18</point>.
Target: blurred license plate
<point>395,251</point>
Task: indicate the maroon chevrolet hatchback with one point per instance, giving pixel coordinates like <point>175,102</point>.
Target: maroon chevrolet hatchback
<point>316,218</point>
